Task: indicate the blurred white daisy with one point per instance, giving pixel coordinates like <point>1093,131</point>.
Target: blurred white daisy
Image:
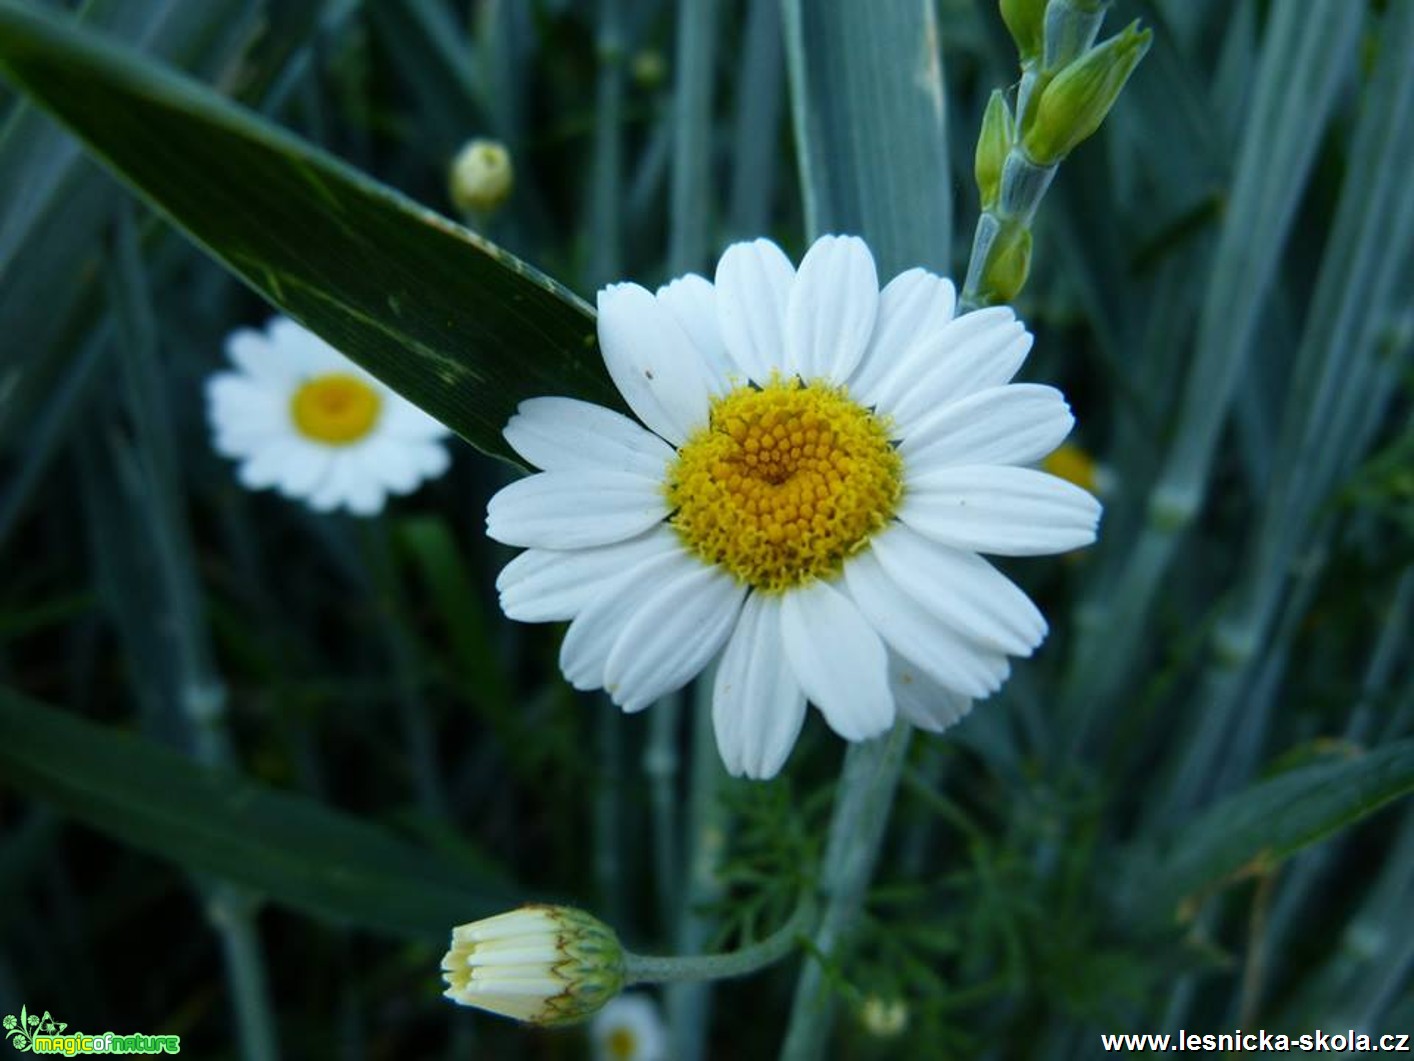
<point>629,1029</point>
<point>817,468</point>
<point>304,419</point>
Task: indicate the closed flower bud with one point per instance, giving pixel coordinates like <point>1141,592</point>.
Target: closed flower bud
<point>1076,100</point>
<point>1025,19</point>
<point>1008,265</point>
<point>993,146</point>
<point>540,964</point>
<point>884,1018</point>
<point>481,176</point>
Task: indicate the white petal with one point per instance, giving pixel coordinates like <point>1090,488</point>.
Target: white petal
<point>403,420</point>
<point>757,705</point>
<point>544,585</point>
<point>1015,424</point>
<point>838,660</point>
<point>961,589</point>
<point>430,459</point>
<point>903,373</point>
<point>335,488</point>
<point>267,466</point>
<point>753,282</point>
<point>305,468</point>
<point>230,442</point>
<point>253,353</point>
<point>989,359</point>
<point>925,703</point>
<point>306,353</point>
<point>655,366</point>
<point>912,307</point>
<point>1000,510</point>
<point>390,463</point>
<point>832,308</point>
<point>692,300</point>
<point>572,510</point>
<point>674,634</point>
<point>595,630</point>
<point>363,493</point>
<point>236,402</point>
<point>919,637</point>
<point>563,434</point>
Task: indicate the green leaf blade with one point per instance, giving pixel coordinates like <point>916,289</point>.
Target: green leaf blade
<point>285,847</point>
<point>1275,819</point>
<point>455,324</point>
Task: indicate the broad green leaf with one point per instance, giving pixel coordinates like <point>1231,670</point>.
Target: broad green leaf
<point>285,847</point>
<point>1271,821</point>
<point>870,119</point>
<point>454,323</point>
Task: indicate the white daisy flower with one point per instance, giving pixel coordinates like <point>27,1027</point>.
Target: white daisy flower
<point>304,419</point>
<point>629,1029</point>
<point>818,466</point>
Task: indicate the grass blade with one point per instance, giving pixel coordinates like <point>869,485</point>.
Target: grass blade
<point>287,848</point>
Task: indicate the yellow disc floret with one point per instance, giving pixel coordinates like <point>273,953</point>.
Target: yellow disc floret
<point>784,482</point>
<point>336,409</point>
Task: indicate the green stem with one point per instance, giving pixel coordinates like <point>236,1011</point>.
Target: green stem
<point>673,968</point>
<point>708,822</point>
<point>232,912</point>
<point>412,708</point>
<point>607,186</point>
<point>660,765</point>
<point>861,816</point>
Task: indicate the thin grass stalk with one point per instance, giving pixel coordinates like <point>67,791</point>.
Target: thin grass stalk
<point>1338,378</point>
<point>691,201</point>
<point>390,614</point>
<point>605,230</point>
<point>708,825</point>
<point>50,429</point>
<point>755,138</point>
<point>1309,49</point>
<point>861,816</point>
<point>608,815</point>
<point>1289,912</point>
<point>199,691</point>
<point>660,767</point>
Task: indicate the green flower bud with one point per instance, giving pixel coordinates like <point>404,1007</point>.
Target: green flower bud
<point>1025,20</point>
<point>993,146</point>
<point>1008,265</point>
<point>540,964</point>
<point>648,68</point>
<point>481,176</point>
<point>1074,103</point>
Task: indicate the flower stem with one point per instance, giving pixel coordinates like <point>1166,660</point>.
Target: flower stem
<point>867,785</point>
<point>674,968</point>
<point>708,823</point>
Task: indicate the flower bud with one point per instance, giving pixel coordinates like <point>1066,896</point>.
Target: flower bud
<point>540,964</point>
<point>1008,265</point>
<point>648,68</point>
<point>1074,103</point>
<point>481,176</point>
<point>993,146</point>
<point>1025,19</point>
<point>884,1018</point>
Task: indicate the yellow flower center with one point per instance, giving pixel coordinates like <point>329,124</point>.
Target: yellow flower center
<point>336,409</point>
<point>784,482</point>
<point>621,1044</point>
